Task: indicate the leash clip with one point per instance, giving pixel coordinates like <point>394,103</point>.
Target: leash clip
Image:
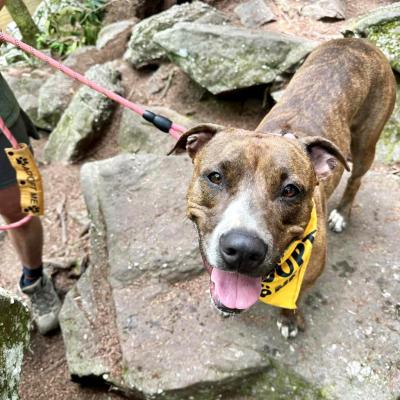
<point>162,123</point>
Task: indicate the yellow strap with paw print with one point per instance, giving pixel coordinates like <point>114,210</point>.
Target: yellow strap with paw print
<point>28,179</point>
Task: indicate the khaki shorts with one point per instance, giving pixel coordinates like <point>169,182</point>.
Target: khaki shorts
<point>21,129</point>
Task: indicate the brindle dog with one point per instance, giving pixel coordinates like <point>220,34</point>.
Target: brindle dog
<point>252,192</point>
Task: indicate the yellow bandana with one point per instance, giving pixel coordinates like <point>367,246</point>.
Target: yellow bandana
<point>281,286</point>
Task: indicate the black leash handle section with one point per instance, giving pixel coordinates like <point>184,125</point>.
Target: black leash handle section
<point>162,123</point>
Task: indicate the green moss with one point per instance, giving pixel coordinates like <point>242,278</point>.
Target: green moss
<point>277,383</point>
<point>274,383</point>
<point>14,337</point>
<point>386,36</point>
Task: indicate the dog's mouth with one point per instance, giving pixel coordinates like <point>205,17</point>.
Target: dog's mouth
<point>232,292</point>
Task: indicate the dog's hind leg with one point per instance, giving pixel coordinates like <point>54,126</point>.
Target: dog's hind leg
<point>366,128</point>
<point>365,133</point>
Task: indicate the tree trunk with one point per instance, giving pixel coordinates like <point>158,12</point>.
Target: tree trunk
<point>20,14</point>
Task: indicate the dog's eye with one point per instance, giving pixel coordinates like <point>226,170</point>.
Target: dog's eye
<point>290,191</point>
<point>215,178</point>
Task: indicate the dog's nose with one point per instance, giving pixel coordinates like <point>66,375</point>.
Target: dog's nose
<point>242,251</point>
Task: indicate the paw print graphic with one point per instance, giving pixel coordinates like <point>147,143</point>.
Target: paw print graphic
<point>34,209</point>
<point>22,161</point>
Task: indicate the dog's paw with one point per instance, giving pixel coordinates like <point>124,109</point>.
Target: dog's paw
<point>287,328</point>
<point>336,221</point>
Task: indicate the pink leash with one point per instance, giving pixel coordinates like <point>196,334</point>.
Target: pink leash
<point>162,123</point>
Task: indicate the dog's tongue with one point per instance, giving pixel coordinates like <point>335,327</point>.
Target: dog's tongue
<point>235,290</point>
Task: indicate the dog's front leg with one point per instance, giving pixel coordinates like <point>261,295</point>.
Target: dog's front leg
<point>290,322</point>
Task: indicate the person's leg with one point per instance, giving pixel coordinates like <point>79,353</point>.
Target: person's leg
<point>28,243</point>
<point>27,239</point>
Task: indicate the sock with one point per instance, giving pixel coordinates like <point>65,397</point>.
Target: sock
<point>30,276</point>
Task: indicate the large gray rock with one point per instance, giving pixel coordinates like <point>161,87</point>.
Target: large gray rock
<point>388,149</point>
<point>136,135</point>
<point>381,26</point>
<point>325,9</point>
<point>142,50</point>
<point>82,123</point>
<point>58,90</point>
<point>119,205</point>
<point>223,58</point>
<point>14,338</point>
<point>254,13</point>
<point>110,34</point>
<point>171,344</point>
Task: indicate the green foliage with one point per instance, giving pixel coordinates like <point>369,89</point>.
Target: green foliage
<point>72,26</point>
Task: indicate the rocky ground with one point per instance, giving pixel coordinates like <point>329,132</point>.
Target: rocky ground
<point>350,350</point>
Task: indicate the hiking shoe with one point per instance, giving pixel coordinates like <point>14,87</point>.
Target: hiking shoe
<point>45,304</point>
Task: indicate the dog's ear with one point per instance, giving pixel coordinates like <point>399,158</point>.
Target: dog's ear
<point>195,138</point>
<point>324,155</point>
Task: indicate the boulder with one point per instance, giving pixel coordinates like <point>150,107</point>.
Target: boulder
<point>222,58</point>
<point>58,90</point>
<point>14,338</point>
<point>388,149</point>
<point>165,249</point>
<point>381,26</point>
<point>254,13</point>
<point>144,291</point>
<point>113,34</point>
<point>136,135</point>
<point>82,123</point>
<point>142,50</point>
<point>325,9</point>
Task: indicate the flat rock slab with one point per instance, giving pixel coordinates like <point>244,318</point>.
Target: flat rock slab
<point>224,58</point>
<point>140,204</point>
<point>381,26</point>
<point>142,50</point>
<point>175,346</point>
<point>14,338</point>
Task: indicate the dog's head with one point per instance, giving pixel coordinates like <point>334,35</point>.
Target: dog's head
<point>250,197</point>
